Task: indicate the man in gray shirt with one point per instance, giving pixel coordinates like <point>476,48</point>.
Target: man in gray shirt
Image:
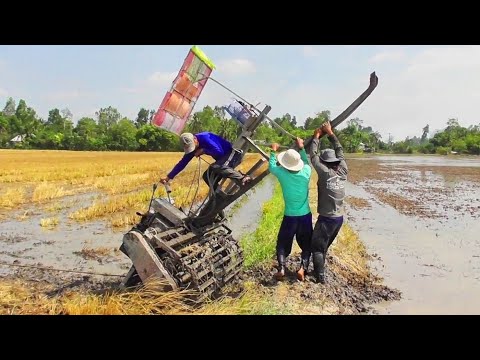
<point>332,175</point>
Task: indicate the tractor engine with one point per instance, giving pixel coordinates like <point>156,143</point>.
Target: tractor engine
<point>162,245</point>
<point>197,251</point>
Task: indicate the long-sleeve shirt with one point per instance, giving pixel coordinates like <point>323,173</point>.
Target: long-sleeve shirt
<point>212,144</point>
<point>331,183</point>
<point>294,185</point>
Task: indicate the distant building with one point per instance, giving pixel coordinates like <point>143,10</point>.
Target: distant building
<point>18,139</point>
<point>365,148</point>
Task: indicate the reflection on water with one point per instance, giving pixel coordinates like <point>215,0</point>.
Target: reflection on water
<point>434,261</point>
<point>27,243</point>
<point>473,161</point>
<point>245,219</point>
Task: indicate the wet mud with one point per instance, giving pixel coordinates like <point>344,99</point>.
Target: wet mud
<point>244,216</point>
<point>344,292</point>
<point>418,217</point>
<point>423,228</point>
<point>90,247</point>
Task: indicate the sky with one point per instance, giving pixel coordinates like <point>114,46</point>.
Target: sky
<point>418,85</point>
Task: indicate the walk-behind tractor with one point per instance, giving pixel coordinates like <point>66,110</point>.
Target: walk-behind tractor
<point>195,249</point>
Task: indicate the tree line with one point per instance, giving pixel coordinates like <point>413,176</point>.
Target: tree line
<point>110,131</point>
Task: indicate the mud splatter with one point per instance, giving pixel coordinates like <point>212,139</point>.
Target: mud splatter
<point>349,292</point>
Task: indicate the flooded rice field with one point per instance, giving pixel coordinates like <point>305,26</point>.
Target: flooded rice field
<point>418,216</point>
<point>91,246</point>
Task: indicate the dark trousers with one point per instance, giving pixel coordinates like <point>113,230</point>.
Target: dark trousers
<point>300,227</point>
<point>325,231</point>
<point>223,168</point>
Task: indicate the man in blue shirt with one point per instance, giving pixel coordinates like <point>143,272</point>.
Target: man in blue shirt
<point>226,158</point>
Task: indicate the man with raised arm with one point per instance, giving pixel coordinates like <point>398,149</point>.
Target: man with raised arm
<point>332,173</point>
<point>293,172</point>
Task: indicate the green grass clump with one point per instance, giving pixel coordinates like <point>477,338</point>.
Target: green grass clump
<point>259,246</point>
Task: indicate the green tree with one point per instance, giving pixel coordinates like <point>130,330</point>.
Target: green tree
<point>459,145</point>
<point>55,121</point>
<point>205,120</point>
<point>122,136</point>
<point>85,134</point>
<point>67,114</point>
<point>4,130</point>
<point>86,127</point>
<point>28,122</point>
<point>143,117</point>
<point>452,123</point>
<point>320,118</point>
<point>351,136</point>
<point>9,108</point>
<point>425,130</point>
<point>152,138</point>
<point>107,117</point>
<point>267,133</point>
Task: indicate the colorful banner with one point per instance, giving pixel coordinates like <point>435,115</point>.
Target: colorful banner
<point>180,100</point>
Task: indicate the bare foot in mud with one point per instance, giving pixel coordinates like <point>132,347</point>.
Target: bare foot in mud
<point>301,274</point>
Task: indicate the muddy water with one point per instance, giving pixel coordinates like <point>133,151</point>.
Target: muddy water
<point>27,243</point>
<point>245,218</point>
<point>425,160</point>
<point>433,260</point>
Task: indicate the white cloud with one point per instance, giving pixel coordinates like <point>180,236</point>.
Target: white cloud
<point>161,81</point>
<point>417,86</point>
<point>446,58</point>
<point>153,82</point>
<point>392,55</point>
<point>154,87</point>
<point>435,84</point>
<point>236,67</point>
<point>3,92</point>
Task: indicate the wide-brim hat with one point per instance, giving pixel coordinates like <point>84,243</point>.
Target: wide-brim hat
<point>290,160</point>
<point>329,156</point>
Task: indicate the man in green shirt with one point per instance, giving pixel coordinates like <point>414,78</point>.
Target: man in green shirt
<point>293,172</point>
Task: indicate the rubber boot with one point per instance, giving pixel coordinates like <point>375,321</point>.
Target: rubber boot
<point>303,269</point>
<point>281,267</point>
<point>319,267</point>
